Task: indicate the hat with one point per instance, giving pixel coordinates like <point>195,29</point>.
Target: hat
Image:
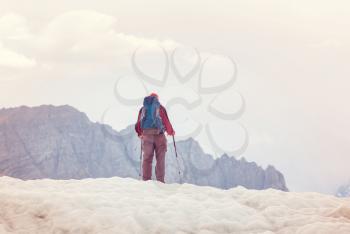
<point>154,95</point>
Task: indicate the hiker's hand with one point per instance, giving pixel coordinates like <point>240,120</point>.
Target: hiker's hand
<point>140,136</point>
<point>172,133</point>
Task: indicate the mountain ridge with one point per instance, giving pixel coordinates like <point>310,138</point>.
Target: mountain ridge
<point>343,190</point>
<point>60,142</point>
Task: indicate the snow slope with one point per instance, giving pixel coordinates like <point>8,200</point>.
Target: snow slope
<point>117,205</point>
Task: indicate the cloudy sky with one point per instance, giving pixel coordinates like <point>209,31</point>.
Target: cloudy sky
<point>291,60</point>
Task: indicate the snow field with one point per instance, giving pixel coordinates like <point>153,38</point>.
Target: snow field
<point>119,205</point>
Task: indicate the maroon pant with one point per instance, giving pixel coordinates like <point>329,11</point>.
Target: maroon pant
<point>154,144</point>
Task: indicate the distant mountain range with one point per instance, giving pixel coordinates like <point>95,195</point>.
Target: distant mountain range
<point>60,142</point>
<point>344,190</point>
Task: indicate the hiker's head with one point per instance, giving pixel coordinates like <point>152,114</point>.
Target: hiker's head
<point>154,95</point>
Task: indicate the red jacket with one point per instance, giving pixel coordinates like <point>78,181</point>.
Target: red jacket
<point>165,119</point>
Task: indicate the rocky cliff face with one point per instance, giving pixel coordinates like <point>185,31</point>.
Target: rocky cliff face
<point>62,143</point>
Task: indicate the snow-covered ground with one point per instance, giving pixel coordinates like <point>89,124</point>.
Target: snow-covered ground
<point>119,205</point>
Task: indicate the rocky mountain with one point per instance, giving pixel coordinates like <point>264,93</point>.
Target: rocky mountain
<point>60,142</point>
<point>344,191</point>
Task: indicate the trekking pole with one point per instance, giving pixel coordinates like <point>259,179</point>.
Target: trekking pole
<point>177,160</point>
<point>140,161</point>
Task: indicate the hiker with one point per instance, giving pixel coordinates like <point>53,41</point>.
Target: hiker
<point>151,124</point>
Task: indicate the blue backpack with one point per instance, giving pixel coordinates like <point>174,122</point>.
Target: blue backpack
<point>150,118</point>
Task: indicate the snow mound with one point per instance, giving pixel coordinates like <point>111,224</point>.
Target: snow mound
<point>117,205</point>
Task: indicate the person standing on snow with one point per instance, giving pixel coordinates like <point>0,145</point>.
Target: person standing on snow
<point>151,124</point>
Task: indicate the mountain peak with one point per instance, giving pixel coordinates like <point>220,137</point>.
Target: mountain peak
<point>41,113</point>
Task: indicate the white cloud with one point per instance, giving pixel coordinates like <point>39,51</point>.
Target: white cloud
<point>71,28</point>
<point>83,36</point>
<point>74,38</point>
<point>11,59</point>
<point>13,26</point>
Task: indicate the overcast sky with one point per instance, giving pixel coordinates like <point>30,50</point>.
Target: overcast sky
<point>292,61</point>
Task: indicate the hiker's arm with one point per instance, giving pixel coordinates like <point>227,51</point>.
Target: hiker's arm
<point>168,127</point>
<point>138,124</point>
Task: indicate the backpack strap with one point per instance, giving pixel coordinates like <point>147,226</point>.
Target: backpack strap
<point>143,112</point>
